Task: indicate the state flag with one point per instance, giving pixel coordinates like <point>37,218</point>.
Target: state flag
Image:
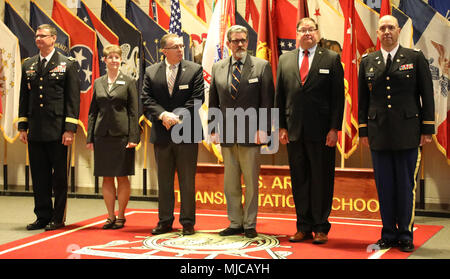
<point>83,47</point>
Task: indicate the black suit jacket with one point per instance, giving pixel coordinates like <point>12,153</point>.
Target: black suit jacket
<point>311,110</point>
<point>49,102</point>
<point>256,90</point>
<point>397,106</point>
<point>114,112</point>
<point>189,86</point>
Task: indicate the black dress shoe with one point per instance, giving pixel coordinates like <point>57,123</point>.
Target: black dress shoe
<point>386,244</point>
<point>160,229</point>
<point>54,226</point>
<point>188,230</point>
<point>37,225</point>
<point>231,231</point>
<point>250,233</point>
<point>406,246</point>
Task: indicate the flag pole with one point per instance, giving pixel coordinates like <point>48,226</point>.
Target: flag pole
<point>5,167</point>
<point>343,137</point>
<point>144,170</point>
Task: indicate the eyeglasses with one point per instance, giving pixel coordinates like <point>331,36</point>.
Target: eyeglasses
<point>240,41</point>
<point>42,36</point>
<point>175,47</point>
<point>304,31</point>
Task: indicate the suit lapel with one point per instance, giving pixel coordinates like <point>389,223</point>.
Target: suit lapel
<point>314,64</point>
<point>379,61</point>
<point>116,84</point>
<point>179,77</point>
<point>297,66</point>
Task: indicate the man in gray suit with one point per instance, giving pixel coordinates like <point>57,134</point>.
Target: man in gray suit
<point>169,85</point>
<point>241,85</point>
<point>310,98</point>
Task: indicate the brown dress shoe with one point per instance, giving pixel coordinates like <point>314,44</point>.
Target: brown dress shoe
<point>320,238</point>
<point>300,236</point>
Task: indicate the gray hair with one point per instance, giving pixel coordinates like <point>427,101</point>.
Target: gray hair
<point>236,29</point>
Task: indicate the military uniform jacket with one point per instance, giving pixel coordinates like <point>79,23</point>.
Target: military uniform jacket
<point>395,106</point>
<point>49,102</point>
<point>114,112</point>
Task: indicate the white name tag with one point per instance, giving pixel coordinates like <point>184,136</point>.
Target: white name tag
<point>324,71</point>
<point>120,82</point>
<point>253,80</point>
<point>186,86</point>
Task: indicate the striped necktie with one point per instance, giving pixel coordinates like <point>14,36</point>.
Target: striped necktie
<point>171,79</point>
<point>235,79</point>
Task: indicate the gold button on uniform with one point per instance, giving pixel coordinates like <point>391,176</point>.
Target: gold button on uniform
<point>40,87</point>
<point>388,78</point>
<point>41,105</point>
<point>41,96</point>
<point>389,97</point>
<point>389,106</point>
<point>388,88</point>
<point>41,78</point>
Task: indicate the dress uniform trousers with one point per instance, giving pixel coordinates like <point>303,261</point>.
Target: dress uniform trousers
<point>395,175</point>
<point>48,162</point>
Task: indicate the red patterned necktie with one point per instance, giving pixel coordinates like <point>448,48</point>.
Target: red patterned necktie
<point>304,68</point>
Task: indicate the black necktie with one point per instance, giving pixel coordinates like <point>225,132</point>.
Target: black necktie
<point>388,62</point>
<point>235,79</point>
<point>41,65</point>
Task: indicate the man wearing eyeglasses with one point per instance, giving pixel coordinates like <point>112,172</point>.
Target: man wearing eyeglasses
<point>396,116</point>
<point>48,119</point>
<point>241,83</point>
<point>310,97</point>
<point>169,85</point>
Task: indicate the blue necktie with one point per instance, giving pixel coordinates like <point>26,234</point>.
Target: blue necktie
<point>235,79</point>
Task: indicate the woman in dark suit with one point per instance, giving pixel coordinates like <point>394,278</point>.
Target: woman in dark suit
<point>113,133</point>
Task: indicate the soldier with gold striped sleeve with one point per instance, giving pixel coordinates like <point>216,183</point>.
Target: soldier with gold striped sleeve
<point>49,106</point>
<point>396,116</point>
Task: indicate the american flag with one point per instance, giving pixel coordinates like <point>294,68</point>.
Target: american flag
<point>175,17</point>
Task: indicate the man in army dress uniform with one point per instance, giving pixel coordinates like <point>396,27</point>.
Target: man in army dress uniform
<point>48,118</point>
<point>396,116</point>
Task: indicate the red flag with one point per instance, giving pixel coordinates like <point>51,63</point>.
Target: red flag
<point>159,14</point>
<point>348,138</point>
<point>267,47</point>
<point>201,10</point>
<point>302,9</point>
<point>252,11</point>
<point>83,47</point>
<point>384,10</point>
<point>285,24</point>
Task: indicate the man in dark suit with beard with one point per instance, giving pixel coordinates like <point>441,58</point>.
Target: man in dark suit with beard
<point>48,118</point>
<point>396,116</point>
<point>310,97</point>
<point>170,85</point>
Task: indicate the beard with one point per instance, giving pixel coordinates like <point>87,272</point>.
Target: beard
<point>240,53</point>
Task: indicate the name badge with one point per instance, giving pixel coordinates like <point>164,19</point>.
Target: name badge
<point>324,71</point>
<point>253,80</point>
<point>120,82</point>
<point>181,87</point>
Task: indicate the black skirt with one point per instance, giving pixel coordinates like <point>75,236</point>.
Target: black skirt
<point>111,158</point>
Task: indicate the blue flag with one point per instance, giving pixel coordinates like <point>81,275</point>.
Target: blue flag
<point>22,30</point>
<point>252,35</point>
<point>442,6</point>
<point>151,32</point>
<point>38,17</point>
<point>431,36</point>
<point>130,40</point>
